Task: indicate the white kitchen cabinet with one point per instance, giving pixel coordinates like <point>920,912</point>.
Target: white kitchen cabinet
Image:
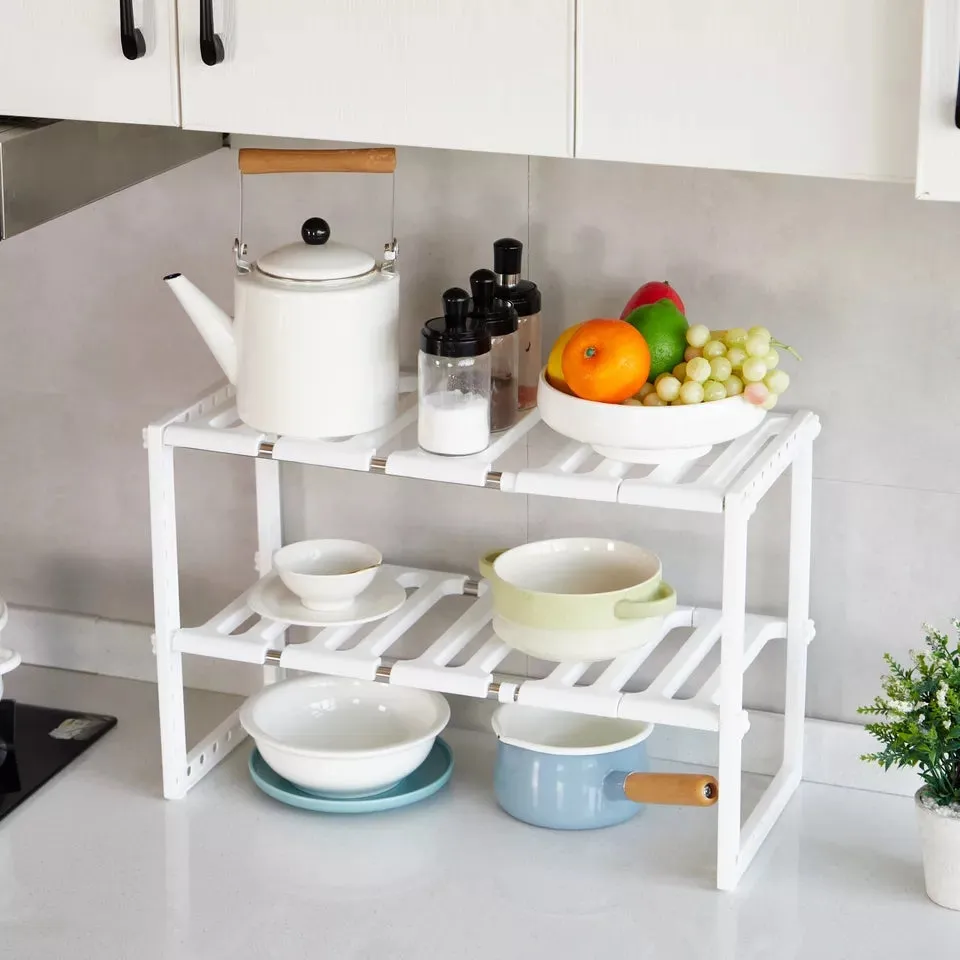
<point>63,59</point>
<point>493,75</point>
<point>938,149</point>
<point>818,87</point>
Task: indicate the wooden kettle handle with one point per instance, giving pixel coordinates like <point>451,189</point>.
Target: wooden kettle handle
<point>686,789</point>
<point>369,160</point>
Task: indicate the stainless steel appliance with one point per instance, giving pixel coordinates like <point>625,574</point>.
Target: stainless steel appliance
<point>50,167</point>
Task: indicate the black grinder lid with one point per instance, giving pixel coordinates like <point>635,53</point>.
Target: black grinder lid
<point>456,333</point>
<point>507,263</point>
<point>499,316</point>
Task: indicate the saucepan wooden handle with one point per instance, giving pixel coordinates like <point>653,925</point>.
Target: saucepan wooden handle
<point>686,789</point>
<point>369,160</point>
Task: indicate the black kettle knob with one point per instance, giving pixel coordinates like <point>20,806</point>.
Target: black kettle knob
<point>483,285</point>
<point>315,231</point>
<point>456,306</point>
<point>507,256</point>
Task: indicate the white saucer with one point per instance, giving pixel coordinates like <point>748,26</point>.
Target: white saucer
<point>270,598</point>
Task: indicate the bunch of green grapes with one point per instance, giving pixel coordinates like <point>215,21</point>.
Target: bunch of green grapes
<point>720,364</point>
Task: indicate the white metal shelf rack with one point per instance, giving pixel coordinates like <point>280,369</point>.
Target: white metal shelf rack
<point>463,658</point>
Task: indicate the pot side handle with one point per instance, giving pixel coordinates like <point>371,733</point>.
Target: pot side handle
<point>664,602</point>
<point>681,789</point>
<point>486,563</point>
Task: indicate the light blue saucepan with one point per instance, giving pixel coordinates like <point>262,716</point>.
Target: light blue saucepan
<point>572,772</point>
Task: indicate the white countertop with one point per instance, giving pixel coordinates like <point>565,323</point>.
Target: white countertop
<point>97,865</point>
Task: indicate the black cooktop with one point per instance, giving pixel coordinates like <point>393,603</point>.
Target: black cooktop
<point>38,742</point>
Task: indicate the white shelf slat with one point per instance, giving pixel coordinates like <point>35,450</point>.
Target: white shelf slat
<point>575,471</point>
<point>689,656</point>
<point>431,668</point>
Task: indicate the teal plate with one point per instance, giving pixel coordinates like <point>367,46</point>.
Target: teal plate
<point>425,781</point>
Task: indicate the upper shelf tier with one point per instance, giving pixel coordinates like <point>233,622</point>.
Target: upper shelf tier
<point>547,464</point>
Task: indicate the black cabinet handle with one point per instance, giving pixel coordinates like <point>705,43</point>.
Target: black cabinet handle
<point>131,39</point>
<point>211,46</point>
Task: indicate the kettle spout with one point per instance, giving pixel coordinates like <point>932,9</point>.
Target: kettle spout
<point>214,325</point>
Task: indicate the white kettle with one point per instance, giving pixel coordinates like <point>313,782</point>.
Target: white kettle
<point>314,347</point>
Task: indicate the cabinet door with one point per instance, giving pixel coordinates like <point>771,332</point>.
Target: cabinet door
<point>63,59</point>
<point>466,74</point>
<point>938,150</point>
<point>820,87</point>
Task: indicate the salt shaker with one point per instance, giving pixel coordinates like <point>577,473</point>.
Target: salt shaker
<point>525,296</point>
<point>500,319</point>
<point>454,380</point>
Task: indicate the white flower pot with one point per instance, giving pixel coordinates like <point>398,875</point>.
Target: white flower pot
<point>940,842</point>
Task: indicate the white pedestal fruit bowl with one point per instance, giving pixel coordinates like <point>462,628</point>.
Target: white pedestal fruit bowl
<point>635,434</point>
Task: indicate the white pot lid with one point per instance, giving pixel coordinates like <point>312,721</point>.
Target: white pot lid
<point>316,257</point>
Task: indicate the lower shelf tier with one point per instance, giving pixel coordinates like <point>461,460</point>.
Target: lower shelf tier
<point>457,652</point>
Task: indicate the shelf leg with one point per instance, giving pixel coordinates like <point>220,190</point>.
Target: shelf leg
<point>736,518</point>
<point>798,609</point>
<point>269,532</point>
<point>730,866</point>
<point>166,608</point>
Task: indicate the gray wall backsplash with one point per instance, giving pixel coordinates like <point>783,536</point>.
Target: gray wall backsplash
<point>860,277</point>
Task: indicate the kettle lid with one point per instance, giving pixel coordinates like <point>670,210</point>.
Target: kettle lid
<point>316,257</point>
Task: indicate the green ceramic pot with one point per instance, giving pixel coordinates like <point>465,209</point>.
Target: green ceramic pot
<point>577,583</point>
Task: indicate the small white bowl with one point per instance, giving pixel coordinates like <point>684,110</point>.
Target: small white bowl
<point>339,737</point>
<point>327,574</point>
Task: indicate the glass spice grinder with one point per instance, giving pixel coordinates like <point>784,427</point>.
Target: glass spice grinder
<point>525,297</point>
<point>453,383</point>
<point>500,320</point>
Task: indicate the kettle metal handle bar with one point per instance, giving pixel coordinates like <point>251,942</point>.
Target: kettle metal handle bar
<point>254,160</point>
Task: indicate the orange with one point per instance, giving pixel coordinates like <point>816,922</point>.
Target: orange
<point>555,362</point>
<point>606,360</point>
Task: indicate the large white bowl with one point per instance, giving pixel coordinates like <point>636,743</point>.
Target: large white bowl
<point>327,574</point>
<point>343,738</point>
<point>637,434</point>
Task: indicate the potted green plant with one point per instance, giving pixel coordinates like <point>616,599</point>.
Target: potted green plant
<point>918,725</point>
